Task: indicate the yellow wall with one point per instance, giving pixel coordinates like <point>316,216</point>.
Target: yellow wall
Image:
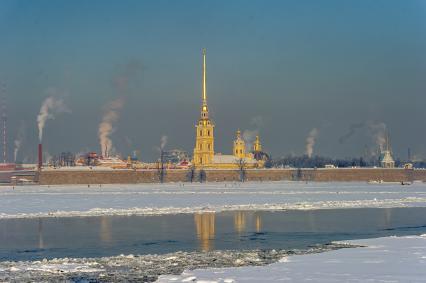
<point>204,143</point>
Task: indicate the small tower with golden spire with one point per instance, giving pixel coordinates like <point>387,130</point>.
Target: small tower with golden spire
<point>386,159</point>
<point>257,146</point>
<point>239,146</point>
<point>204,141</point>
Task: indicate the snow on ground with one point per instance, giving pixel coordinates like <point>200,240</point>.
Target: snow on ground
<point>141,199</point>
<point>391,259</point>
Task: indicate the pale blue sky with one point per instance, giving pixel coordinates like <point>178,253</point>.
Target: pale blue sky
<point>296,64</point>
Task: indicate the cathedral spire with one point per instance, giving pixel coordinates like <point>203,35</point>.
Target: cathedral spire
<point>204,109</point>
<point>204,139</point>
<point>204,78</point>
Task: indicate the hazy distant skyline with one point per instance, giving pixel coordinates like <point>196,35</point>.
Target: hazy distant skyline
<point>280,68</point>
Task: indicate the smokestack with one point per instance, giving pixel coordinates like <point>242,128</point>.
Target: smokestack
<point>40,156</point>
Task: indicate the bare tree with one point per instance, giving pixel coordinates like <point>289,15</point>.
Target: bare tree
<point>160,168</point>
<point>191,173</point>
<point>241,163</point>
<point>203,176</point>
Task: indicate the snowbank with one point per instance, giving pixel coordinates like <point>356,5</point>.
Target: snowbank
<point>391,259</point>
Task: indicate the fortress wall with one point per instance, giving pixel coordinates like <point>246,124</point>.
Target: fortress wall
<point>51,177</point>
<point>419,174</point>
<point>269,174</point>
<point>363,174</point>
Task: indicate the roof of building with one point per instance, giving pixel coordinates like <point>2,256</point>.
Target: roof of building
<point>386,157</point>
<point>230,159</point>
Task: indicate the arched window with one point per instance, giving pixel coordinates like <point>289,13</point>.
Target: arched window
<point>208,133</point>
<point>208,146</point>
<point>201,133</point>
<point>201,146</point>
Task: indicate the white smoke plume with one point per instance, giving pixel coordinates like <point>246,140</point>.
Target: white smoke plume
<point>310,141</point>
<point>49,108</point>
<point>125,75</point>
<point>47,157</point>
<point>163,142</point>
<point>17,144</point>
<point>111,114</point>
<point>250,135</point>
<point>20,136</point>
<point>379,133</point>
<point>106,127</point>
<point>352,130</point>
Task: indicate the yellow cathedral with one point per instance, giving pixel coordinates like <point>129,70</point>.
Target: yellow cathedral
<point>204,155</point>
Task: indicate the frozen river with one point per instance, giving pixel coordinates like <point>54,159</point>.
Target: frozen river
<point>120,233</point>
<point>148,199</point>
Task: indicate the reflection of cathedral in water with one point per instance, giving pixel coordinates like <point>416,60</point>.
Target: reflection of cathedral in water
<point>205,225</point>
<point>40,234</point>
<point>239,221</point>
<point>258,223</point>
<point>242,218</point>
<point>105,229</point>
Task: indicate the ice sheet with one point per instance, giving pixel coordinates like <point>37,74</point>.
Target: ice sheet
<point>59,201</point>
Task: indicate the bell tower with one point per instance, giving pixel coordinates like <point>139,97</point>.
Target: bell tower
<point>257,146</point>
<point>239,146</point>
<point>204,137</point>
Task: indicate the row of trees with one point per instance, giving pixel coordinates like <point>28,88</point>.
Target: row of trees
<point>319,161</point>
<point>295,162</point>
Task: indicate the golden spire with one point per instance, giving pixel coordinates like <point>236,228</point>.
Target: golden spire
<point>204,108</point>
<point>204,78</point>
<point>257,146</point>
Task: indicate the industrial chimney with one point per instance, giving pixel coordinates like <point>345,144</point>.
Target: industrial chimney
<point>40,156</point>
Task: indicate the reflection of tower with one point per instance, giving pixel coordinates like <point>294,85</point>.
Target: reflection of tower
<point>388,217</point>
<point>40,234</point>
<point>105,229</point>
<point>311,221</point>
<point>239,221</point>
<point>258,222</point>
<point>205,225</point>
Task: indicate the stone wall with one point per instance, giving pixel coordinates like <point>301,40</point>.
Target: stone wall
<point>50,177</point>
<point>363,174</point>
<point>419,174</point>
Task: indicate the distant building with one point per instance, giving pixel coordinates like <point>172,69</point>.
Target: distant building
<point>258,153</point>
<point>204,155</point>
<point>175,156</point>
<point>386,159</point>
